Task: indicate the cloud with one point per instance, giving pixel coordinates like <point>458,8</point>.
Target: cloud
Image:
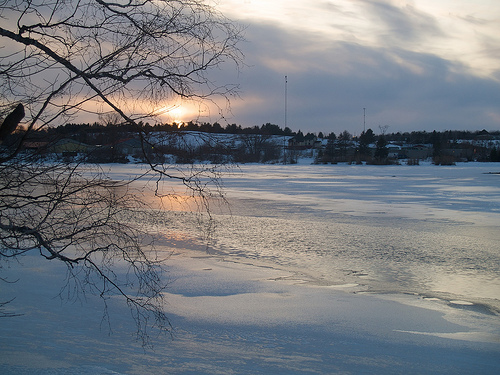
<point>402,25</point>
<point>331,81</point>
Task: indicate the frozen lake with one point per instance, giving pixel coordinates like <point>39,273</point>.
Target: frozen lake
<point>430,230</point>
<point>311,269</point>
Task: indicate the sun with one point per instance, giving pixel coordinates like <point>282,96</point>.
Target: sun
<point>174,114</point>
<point>182,112</point>
<point>177,115</point>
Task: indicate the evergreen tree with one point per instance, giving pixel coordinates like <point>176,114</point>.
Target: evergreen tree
<point>381,152</point>
<point>365,139</point>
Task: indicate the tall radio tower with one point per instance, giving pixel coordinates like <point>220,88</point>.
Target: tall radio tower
<point>286,109</point>
<point>364,120</point>
<point>286,84</point>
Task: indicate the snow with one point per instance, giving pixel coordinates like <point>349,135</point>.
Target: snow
<point>259,304</point>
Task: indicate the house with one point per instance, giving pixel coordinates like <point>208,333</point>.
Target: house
<point>36,146</point>
<point>69,147</point>
<point>417,151</point>
<point>301,142</point>
<point>129,146</point>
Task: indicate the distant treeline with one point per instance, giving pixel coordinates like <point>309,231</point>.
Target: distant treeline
<point>415,137</point>
<point>88,132</point>
<point>110,141</point>
<point>72,129</point>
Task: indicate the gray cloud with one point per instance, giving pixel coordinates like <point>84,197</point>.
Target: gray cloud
<point>403,25</point>
<point>330,82</point>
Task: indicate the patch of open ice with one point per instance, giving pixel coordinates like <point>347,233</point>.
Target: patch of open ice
<point>466,336</point>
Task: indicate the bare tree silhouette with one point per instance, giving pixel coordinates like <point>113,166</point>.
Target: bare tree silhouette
<point>63,58</point>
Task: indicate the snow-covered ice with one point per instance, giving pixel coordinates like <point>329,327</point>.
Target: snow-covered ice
<point>315,270</point>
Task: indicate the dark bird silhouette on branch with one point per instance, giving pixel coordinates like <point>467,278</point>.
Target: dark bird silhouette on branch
<point>11,122</point>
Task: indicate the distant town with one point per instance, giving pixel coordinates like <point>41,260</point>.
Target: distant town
<point>192,142</point>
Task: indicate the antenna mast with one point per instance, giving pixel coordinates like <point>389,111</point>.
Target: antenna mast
<point>286,84</point>
<point>364,120</point>
<point>284,137</point>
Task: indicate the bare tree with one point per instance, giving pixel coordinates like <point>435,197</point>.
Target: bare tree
<point>62,58</point>
<point>258,148</point>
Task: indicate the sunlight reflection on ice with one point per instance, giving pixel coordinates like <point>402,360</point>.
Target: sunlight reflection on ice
<point>425,229</point>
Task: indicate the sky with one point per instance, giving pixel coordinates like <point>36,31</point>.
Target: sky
<point>358,64</point>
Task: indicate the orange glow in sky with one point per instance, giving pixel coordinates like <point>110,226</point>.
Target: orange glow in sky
<point>185,111</point>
